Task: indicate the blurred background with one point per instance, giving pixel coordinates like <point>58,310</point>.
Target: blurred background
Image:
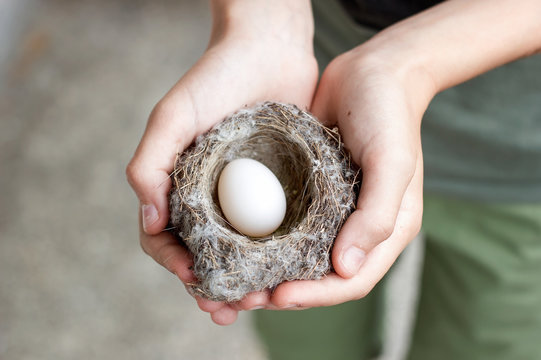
<point>77,82</point>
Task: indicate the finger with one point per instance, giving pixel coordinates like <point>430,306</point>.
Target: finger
<point>254,300</point>
<point>194,105</point>
<point>225,316</point>
<point>167,252</point>
<point>172,125</point>
<point>259,300</point>
<point>209,305</point>
<point>386,176</point>
<point>334,289</point>
<point>169,130</point>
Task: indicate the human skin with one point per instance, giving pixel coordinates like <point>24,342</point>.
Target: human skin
<point>376,94</point>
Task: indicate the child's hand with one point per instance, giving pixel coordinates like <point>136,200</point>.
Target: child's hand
<point>378,112</point>
<point>377,94</point>
<point>258,51</point>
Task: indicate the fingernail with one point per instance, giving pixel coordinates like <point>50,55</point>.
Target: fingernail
<point>352,259</point>
<point>150,215</point>
<point>257,307</point>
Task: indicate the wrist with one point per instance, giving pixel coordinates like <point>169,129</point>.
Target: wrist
<point>457,40</point>
<point>260,21</point>
<point>268,44</point>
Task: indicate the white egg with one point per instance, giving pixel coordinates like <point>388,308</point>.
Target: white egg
<point>251,197</point>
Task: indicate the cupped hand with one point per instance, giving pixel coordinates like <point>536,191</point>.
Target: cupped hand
<point>245,63</point>
<point>378,110</point>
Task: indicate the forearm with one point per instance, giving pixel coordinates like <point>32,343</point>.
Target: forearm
<point>460,39</point>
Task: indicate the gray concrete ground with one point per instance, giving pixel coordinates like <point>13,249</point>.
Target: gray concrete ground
<point>78,79</point>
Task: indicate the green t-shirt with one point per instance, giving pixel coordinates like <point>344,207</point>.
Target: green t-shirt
<point>481,139</point>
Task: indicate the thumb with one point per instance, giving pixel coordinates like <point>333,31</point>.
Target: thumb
<point>384,183</point>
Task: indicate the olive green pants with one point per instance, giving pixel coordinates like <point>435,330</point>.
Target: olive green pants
<point>480,295</point>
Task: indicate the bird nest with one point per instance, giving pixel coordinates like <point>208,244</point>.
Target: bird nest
<point>319,181</point>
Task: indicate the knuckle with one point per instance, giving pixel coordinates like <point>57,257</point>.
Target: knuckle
<point>333,70</point>
<point>416,226</point>
<point>396,159</point>
<point>163,108</point>
<point>184,117</point>
<point>417,216</point>
<point>362,293</point>
<point>383,227</point>
<point>414,213</point>
<point>134,174</point>
<point>143,244</point>
<point>165,256</point>
<point>338,63</point>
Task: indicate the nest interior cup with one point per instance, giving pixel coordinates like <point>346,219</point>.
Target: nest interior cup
<point>317,176</point>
